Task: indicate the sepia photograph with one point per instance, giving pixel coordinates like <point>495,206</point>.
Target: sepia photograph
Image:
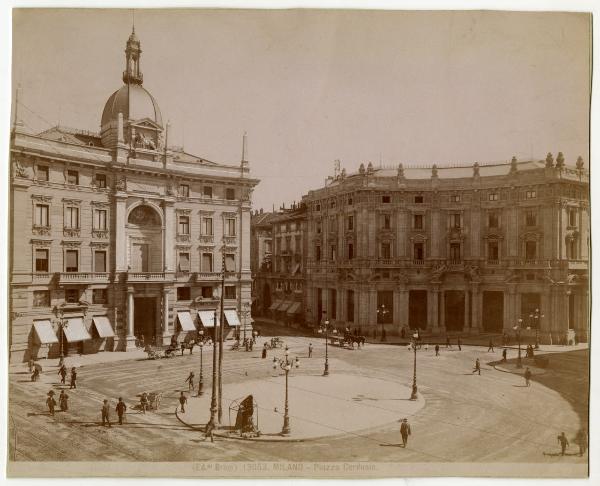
<point>313,243</point>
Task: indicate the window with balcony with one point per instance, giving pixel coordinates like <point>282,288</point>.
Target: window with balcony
<point>493,196</point>
<point>332,224</point>
<point>41,298</point>
<point>531,218</point>
<point>455,252</point>
<point>298,244</point>
<point>386,221</point>
<point>288,244</point>
<point>43,173</point>
<point>268,246</point>
<point>100,180</point>
<point>350,251</point>
<point>207,262</point>
<point>184,190</point>
<point>184,262</point>
<point>493,220</point>
<point>455,220</point>
<point>71,261</point>
<point>207,226</point>
<point>230,262</point>
<point>184,225</point>
<point>573,217</point>
<point>418,251</point>
<point>99,296</point>
<point>386,251</point>
<point>184,293</point>
<point>493,252</point>
<point>418,199</point>
<point>100,219</point>
<point>332,252</point>
<point>230,194</point>
<point>99,261</point>
<point>571,248</point>
<point>530,194</point>
<point>350,201</point>
<point>208,191</point>
<point>454,198</point>
<point>318,207</point>
<point>530,250</point>
<point>72,217</point>
<point>230,292</point>
<point>418,221</point>
<point>41,260</point>
<point>350,223</point>
<point>230,227</point>
<point>207,292</point>
<point>386,199</point>
<point>71,296</point>
<point>318,227</point>
<point>42,212</point>
<point>73,177</point>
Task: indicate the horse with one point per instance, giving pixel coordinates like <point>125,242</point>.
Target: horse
<point>350,338</point>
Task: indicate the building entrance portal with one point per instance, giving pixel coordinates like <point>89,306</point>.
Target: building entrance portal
<point>454,303</point>
<point>493,311</point>
<point>417,309</point>
<point>144,322</point>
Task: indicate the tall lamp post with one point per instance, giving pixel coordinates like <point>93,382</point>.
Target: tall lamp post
<point>213,400</point>
<point>517,329</point>
<point>201,378</point>
<point>62,325</point>
<point>245,312</point>
<point>537,319</point>
<point>285,364</point>
<point>413,395</point>
<point>325,329</point>
<point>381,313</point>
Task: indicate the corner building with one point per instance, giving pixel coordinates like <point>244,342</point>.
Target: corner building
<point>457,249</point>
<point>115,234</point>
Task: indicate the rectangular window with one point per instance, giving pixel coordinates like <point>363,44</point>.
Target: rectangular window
<point>350,251</point>
<point>230,292</point>
<point>71,261</point>
<point>418,221</point>
<point>43,173</point>
<point>101,181</point>
<point>386,199</point>
<point>572,217</point>
<point>207,226</point>
<point>455,220</point>
<point>184,190</point>
<point>493,253</point>
<point>531,218</point>
<point>100,261</point>
<point>318,253</point>
<point>41,260</point>
<point>530,194</point>
<point>530,250</point>
<point>332,224</point>
<point>332,204</point>
<point>318,207</point>
<point>350,223</point>
<point>184,293</point>
<point>298,244</point>
<point>288,243</point>
<point>418,251</point>
<point>350,201</point>
<point>72,217</point>
<point>184,225</point>
<point>230,262</point>
<point>418,199</point>
<point>454,198</point>
<point>207,292</point>
<point>73,177</point>
<point>318,227</point>
<point>41,215</point>
<point>99,296</point>
<point>230,194</point>
<point>386,251</point>
<point>572,249</point>
<point>350,306</point>
<point>386,221</point>
<point>208,191</point>
<point>230,227</point>
<point>71,296</point>
<point>455,252</point>
<point>41,298</point>
<point>493,196</point>
<point>184,262</point>
<point>332,253</point>
<point>493,220</point>
<point>100,219</point>
<point>207,262</point>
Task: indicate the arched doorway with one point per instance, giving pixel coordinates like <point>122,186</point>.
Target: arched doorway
<point>266,298</point>
<point>144,239</point>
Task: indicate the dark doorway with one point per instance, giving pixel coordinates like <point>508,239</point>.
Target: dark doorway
<point>493,311</point>
<point>144,318</point>
<point>454,303</point>
<point>319,317</point>
<point>385,307</point>
<point>417,309</point>
<point>529,303</point>
<point>571,311</point>
<point>266,298</point>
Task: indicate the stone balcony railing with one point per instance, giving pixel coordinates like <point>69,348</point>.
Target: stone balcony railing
<point>72,232</point>
<point>149,277</point>
<point>207,239</point>
<point>83,277</point>
<point>491,261</point>
<point>207,276</point>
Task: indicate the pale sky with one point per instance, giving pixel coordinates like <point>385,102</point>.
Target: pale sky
<point>310,87</point>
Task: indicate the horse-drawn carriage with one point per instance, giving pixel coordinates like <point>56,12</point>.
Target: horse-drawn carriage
<point>275,342</point>
<point>158,352</point>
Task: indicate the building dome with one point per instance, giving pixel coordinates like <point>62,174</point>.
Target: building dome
<point>135,102</point>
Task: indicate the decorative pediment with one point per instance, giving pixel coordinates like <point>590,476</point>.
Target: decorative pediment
<point>71,244</point>
<point>418,237</point>
<point>531,235</point>
<point>71,202</point>
<point>41,243</point>
<point>229,214</point>
<point>206,248</point>
<point>183,210</point>
<point>494,236</point>
<point>146,123</point>
<point>205,212</point>
<point>100,204</point>
<point>41,198</point>
<point>98,244</point>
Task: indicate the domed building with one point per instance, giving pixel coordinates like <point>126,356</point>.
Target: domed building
<point>125,239</point>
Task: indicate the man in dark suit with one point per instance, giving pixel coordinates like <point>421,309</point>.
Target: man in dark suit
<point>121,409</point>
<point>404,431</point>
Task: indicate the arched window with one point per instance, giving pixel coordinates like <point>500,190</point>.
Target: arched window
<point>144,216</point>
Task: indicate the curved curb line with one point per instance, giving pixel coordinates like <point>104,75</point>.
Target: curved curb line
<point>503,370</point>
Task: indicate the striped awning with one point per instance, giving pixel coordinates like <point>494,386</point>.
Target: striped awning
<point>185,321</point>
<point>103,326</point>
<point>284,306</point>
<point>75,330</point>
<point>231,318</point>
<point>207,317</point>
<point>275,304</point>
<point>44,332</point>
<point>294,308</point>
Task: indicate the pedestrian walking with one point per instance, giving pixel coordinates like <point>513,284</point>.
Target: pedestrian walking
<point>35,375</point>
<point>144,403</point>
<point>182,402</point>
<point>208,431</point>
<point>264,351</point>
<point>448,345</point>
<point>61,362</point>
<point>182,348</point>
<point>105,413</point>
<point>63,401</point>
<point>564,443</point>
<point>437,349</point>
<point>30,364</point>
<point>504,355</point>
<point>527,376</point>
<point>491,346</point>
<point>190,380</point>
<point>121,408</point>
<point>459,343</point>
<point>73,378</point>
<point>63,374</point>
<point>426,347</point>
<point>404,431</point>
<point>191,345</point>
<point>50,402</point>
<point>477,367</point>
<point>581,440</point>
<point>310,348</point>
<point>251,345</point>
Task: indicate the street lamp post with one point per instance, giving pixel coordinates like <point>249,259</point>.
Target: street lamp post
<point>213,400</point>
<point>517,329</point>
<point>413,395</point>
<point>286,365</point>
<point>59,313</point>
<point>201,378</point>
<point>245,312</point>
<point>538,322</point>
<point>382,312</point>
<point>326,329</point>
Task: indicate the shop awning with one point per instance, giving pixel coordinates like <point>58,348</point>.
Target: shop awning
<point>75,330</point>
<point>275,304</point>
<point>103,326</point>
<point>294,308</point>
<point>185,321</point>
<point>208,318</point>
<point>231,318</point>
<point>284,306</point>
<point>44,332</point>
<point>296,269</point>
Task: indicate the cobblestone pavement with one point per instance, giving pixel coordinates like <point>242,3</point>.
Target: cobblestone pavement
<point>466,417</point>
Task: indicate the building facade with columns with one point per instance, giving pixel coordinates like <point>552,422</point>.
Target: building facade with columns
<point>475,249</point>
<point>116,234</point>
